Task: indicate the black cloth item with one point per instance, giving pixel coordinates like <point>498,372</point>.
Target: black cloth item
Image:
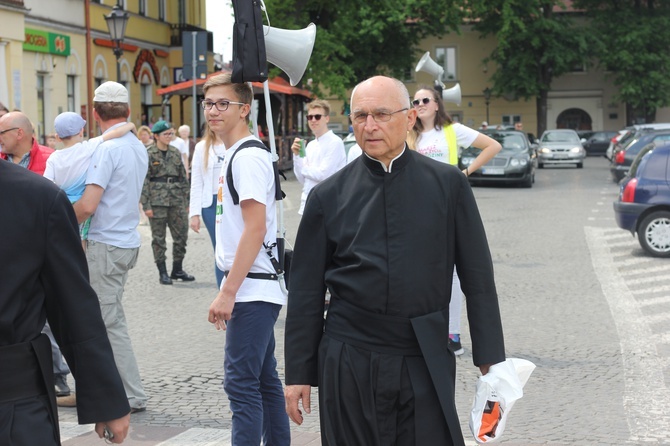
<point>249,60</point>
<point>45,276</point>
<point>386,243</point>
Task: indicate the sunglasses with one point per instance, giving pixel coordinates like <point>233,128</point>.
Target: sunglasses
<point>314,117</point>
<point>417,102</point>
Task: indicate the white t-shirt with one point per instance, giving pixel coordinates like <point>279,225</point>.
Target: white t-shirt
<point>324,156</point>
<point>68,167</point>
<point>253,177</point>
<point>180,145</point>
<point>354,152</point>
<point>433,143</point>
<point>119,166</point>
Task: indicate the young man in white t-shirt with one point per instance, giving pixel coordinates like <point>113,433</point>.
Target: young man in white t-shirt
<point>249,301</point>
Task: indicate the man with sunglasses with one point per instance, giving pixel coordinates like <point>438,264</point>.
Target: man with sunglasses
<point>19,145</point>
<point>323,156</point>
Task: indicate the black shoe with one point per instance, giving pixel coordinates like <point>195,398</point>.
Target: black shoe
<point>178,272</point>
<point>137,409</point>
<point>182,275</point>
<point>60,384</point>
<point>163,277</point>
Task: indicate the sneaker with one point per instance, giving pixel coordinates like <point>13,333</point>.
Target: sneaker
<point>455,345</point>
<point>60,384</point>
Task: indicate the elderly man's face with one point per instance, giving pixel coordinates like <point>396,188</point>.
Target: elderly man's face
<point>9,135</point>
<point>382,140</point>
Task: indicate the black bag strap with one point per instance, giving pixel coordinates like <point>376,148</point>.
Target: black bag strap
<point>279,194</point>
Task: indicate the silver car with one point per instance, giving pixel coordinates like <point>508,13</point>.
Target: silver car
<point>561,146</point>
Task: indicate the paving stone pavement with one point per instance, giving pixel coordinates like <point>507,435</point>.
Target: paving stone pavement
<point>603,353</point>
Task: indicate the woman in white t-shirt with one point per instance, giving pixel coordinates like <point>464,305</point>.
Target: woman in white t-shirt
<point>431,136</point>
<point>205,171</point>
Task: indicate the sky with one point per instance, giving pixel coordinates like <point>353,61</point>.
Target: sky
<point>220,21</point>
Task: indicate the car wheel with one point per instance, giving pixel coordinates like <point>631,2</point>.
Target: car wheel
<point>654,234</point>
<point>528,182</point>
<point>580,165</point>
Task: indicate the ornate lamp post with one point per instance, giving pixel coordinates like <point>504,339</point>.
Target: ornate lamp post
<point>116,23</point>
<point>487,101</point>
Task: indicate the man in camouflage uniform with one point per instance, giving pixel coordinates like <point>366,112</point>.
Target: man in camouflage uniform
<point>165,202</point>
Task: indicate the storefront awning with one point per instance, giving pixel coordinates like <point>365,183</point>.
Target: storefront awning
<point>276,85</point>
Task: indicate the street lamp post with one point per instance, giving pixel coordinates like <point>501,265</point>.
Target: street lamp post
<point>487,101</point>
<point>116,23</point>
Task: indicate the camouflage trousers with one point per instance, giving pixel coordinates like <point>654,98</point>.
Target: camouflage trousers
<point>175,218</point>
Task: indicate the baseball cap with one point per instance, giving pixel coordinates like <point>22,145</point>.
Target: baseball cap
<point>160,127</point>
<point>111,92</point>
<point>68,124</point>
<point>485,123</point>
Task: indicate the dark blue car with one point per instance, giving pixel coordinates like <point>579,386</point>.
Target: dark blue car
<point>643,206</point>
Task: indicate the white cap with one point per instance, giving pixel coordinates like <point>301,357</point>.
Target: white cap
<point>111,92</point>
<point>68,124</point>
<point>484,123</point>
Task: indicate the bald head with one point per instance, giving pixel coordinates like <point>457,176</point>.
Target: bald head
<point>16,134</point>
<point>382,116</point>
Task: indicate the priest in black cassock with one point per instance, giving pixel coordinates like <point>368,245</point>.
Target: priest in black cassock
<point>44,276</point>
<point>383,235</point>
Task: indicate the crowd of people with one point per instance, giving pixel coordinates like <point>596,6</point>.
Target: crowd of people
<point>391,233</point>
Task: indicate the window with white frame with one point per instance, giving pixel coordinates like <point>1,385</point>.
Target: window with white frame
<point>143,7</point>
<point>71,99</point>
<point>162,10</point>
<point>511,119</point>
<point>446,57</point>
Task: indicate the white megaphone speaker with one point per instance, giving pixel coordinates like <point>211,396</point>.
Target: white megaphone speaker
<point>452,94</point>
<point>430,66</point>
<point>290,50</point>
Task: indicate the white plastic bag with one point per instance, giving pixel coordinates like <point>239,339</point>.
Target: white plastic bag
<point>496,393</point>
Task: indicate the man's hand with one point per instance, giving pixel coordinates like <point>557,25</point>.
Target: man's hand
<point>149,213</point>
<point>484,368</point>
<point>295,147</point>
<point>221,310</point>
<point>294,393</point>
<point>118,428</point>
<point>195,223</point>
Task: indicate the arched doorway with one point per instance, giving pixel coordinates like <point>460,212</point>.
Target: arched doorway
<point>574,118</point>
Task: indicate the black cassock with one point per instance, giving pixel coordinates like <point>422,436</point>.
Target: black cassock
<point>385,245</point>
<point>44,275</point>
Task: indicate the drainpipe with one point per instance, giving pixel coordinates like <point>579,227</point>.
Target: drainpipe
<point>89,72</point>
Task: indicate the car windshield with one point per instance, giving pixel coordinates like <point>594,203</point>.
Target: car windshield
<point>510,142</point>
<point>560,137</point>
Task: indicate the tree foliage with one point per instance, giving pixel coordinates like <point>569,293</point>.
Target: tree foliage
<point>536,42</point>
<point>633,43</point>
<point>356,40</point>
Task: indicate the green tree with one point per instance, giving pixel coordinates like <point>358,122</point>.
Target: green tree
<point>632,43</point>
<point>536,42</point>
<point>356,40</point>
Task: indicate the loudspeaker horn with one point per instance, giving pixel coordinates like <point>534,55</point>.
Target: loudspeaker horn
<point>452,94</point>
<point>430,66</point>
<point>290,50</point>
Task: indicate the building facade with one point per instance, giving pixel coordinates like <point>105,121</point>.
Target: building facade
<point>54,53</point>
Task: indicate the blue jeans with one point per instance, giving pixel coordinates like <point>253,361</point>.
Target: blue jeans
<point>251,381</point>
<point>209,218</point>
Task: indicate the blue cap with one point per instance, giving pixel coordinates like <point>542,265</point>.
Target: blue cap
<point>68,124</point>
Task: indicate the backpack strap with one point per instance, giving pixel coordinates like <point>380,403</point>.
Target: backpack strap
<point>279,194</point>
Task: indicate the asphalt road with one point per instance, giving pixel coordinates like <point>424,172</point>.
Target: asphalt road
<point>578,296</point>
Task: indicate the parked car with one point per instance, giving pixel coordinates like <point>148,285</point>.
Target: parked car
<point>596,143</point>
<point>623,158</point>
<point>643,207</point>
<point>609,153</point>
<point>628,133</point>
<point>560,146</point>
<point>514,164</point>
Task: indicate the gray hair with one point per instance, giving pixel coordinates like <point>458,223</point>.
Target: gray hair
<point>399,85</point>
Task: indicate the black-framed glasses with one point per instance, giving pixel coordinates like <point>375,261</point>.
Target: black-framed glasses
<point>220,105</point>
<point>8,130</point>
<point>378,116</point>
<point>424,101</point>
<point>315,117</point>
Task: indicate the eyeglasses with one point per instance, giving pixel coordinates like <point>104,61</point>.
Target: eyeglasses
<point>8,130</point>
<point>417,102</point>
<point>378,116</point>
<point>316,117</point>
<point>220,105</point>
<point>170,134</point>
